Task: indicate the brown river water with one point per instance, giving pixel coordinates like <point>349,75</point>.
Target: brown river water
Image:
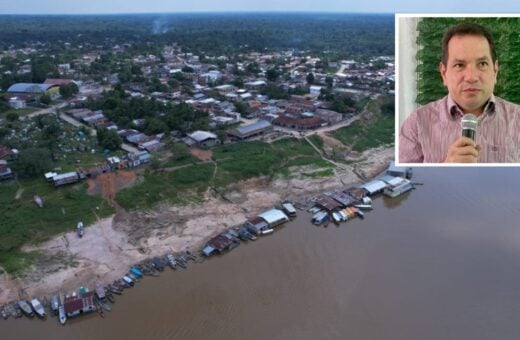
<point>442,262</point>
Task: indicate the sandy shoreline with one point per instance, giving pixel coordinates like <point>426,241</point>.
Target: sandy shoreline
<point>110,246</point>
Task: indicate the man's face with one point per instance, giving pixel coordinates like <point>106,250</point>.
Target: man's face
<point>469,74</point>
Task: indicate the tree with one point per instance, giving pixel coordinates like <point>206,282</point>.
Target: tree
<point>329,81</point>
<point>108,139</point>
<point>310,78</point>
<point>68,90</point>
<point>222,136</point>
<point>45,99</point>
<point>180,151</point>
<point>241,107</point>
<point>11,117</point>
<point>272,74</point>
<point>187,69</point>
<point>33,162</point>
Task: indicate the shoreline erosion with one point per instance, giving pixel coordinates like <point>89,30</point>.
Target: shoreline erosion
<point>111,245</point>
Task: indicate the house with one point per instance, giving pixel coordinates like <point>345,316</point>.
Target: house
<point>33,90</point>
<point>66,178</point>
<point>138,158</point>
<point>274,217</point>
<point>151,146</point>
<point>397,186</point>
<point>76,305</point>
<point>255,85</point>
<point>203,139</point>
<point>299,123</point>
<point>374,187</point>
<point>256,225</point>
<point>5,152</point>
<point>399,171</point>
<point>327,203</point>
<point>220,244</point>
<point>314,90</point>
<point>5,172</point>
<point>329,116</point>
<point>17,103</point>
<point>248,131</point>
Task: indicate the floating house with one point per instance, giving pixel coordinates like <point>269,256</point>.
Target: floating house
<point>76,305</point>
<point>274,217</point>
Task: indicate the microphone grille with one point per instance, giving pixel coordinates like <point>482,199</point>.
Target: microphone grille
<point>469,122</point>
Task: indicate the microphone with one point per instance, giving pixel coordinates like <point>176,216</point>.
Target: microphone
<point>469,125</point>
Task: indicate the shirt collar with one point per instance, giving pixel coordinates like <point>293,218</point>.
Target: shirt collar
<point>454,112</point>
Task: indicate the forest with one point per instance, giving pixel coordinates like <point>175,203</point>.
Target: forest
<point>345,35</point>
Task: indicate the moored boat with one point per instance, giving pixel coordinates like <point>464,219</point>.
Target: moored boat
<point>128,281</point>
<point>25,307</point>
<point>100,291</point>
<point>80,229</point>
<point>136,272</point>
<point>38,308</point>
<point>55,304</point>
<point>63,316</point>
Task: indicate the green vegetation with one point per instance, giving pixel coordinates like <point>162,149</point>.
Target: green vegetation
<point>24,222</point>
<point>19,112</point>
<point>362,136</point>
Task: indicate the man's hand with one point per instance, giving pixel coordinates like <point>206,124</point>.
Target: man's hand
<point>463,150</point>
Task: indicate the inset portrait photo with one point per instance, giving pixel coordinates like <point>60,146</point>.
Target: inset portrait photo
<point>458,89</point>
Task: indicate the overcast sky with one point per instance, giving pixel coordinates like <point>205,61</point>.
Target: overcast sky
<point>172,6</point>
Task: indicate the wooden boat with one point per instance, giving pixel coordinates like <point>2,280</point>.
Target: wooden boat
<point>171,261</point>
<point>61,313</point>
<point>38,308</point>
<point>105,306</point>
<point>136,272</point>
<point>158,263</point>
<point>110,298</point>
<point>100,291</point>
<point>267,231</point>
<point>80,229</point>
<point>25,307</point>
<point>55,304</point>
<point>128,281</point>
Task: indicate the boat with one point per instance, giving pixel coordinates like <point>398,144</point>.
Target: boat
<point>336,217</point>
<point>110,297</point>
<point>158,263</point>
<point>320,217</point>
<point>105,306</point>
<point>25,307</point>
<point>55,304</point>
<point>360,213</point>
<point>63,316</point>
<point>314,210</point>
<point>3,312</point>
<point>367,200</point>
<point>128,281</point>
<point>343,214</point>
<point>171,261</point>
<point>80,229</point>
<point>288,207</point>
<point>363,206</point>
<point>38,308</point>
<point>100,291</point>
<point>136,272</point>
<point>267,231</point>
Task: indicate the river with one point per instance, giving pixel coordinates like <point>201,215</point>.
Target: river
<point>442,262</point>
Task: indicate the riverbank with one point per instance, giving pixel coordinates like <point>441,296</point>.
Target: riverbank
<point>112,244</point>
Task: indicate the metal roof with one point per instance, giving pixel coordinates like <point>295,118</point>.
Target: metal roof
<point>201,136</point>
<point>29,87</point>
<point>273,216</point>
<point>374,186</point>
<point>247,129</point>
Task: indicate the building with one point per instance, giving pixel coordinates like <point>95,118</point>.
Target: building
<point>17,103</point>
<point>138,158</point>
<point>5,172</point>
<point>66,178</point>
<point>397,186</point>
<point>203,139</point>
<point>314,90</point>
<point>34,91</point>
<point>399,171</point>
<point>220,244</point>
<point>76,305</point>
<point>374,187</point>
<point>274,217</point>
<point>248,131</point>
<point>329,116</point>
<point>255,85</point>
<point>299,123</point>
<point>256,225</point>
<point>327,203</point>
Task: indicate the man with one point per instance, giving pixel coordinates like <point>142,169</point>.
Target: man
<point>469,68</point>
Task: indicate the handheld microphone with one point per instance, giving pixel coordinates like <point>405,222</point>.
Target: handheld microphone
<point>469,125</point>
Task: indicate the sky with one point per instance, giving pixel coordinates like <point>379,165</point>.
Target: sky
<point>174,6</point>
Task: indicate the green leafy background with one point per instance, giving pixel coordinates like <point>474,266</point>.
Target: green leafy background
<point>506,32</point>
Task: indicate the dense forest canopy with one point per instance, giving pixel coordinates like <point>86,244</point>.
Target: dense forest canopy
<point>348,35</point>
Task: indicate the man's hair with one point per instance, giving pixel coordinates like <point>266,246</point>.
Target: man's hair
<point>467,29</point>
